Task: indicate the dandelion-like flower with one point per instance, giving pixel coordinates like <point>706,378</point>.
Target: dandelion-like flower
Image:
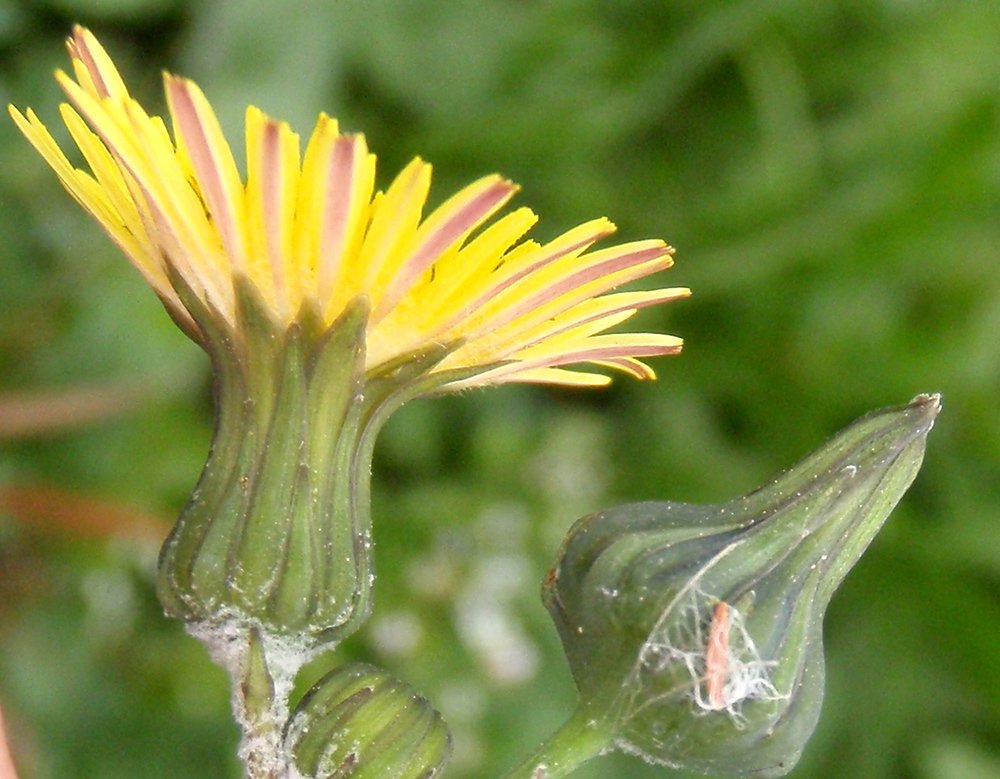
<point>324,304</point>
<point>310,229</point>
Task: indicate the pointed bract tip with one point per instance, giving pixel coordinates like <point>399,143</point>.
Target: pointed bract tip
<point>930,402</point>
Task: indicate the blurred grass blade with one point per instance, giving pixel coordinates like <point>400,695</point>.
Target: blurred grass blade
<point>41,413</point>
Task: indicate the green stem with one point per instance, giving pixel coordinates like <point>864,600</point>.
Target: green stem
<point>262,713</point>
<point>582,737</point>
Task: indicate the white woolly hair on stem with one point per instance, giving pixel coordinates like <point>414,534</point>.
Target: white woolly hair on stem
<point>262,668</point>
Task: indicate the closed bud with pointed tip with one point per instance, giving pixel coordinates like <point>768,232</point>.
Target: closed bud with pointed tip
<point>360,723</point>
<point>694,633</point>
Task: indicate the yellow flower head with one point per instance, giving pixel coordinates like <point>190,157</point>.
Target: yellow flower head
<point>309,229</point>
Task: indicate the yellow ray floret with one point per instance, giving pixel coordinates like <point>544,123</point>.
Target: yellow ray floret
<point>307,227</point>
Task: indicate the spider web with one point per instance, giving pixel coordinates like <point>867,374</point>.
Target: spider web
<point>678,647</point>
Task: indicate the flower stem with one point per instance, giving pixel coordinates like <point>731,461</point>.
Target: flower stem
<point>262,714</point>
<point>581,738</point>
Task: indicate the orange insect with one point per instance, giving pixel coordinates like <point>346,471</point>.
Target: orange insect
<point>717,656</point>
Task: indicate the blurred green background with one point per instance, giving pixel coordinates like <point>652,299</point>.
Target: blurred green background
<point>830,174</point>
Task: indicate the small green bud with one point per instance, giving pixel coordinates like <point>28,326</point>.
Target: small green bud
<point>359,722</point>
<point>694,633</point>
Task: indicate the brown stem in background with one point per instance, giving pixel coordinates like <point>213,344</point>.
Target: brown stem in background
<point>40,413</point>
<point>62,511</point>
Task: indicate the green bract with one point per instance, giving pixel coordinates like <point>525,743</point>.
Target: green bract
<point>359,722</point>
<point>694,633</point>
<point>276,536</point>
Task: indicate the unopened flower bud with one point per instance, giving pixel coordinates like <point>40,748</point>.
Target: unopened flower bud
<point>694,633</point>
<point>360,723</point>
